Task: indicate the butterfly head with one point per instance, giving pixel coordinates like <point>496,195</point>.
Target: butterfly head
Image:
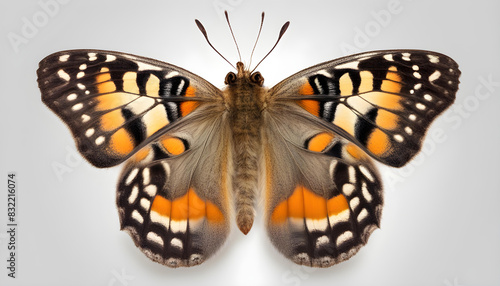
<point>243,75</point>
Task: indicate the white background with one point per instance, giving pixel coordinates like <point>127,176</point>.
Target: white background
<point>441,221</point>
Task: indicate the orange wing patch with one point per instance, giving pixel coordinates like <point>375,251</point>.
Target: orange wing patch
<point>173,145</point>
<point>304,203</point>
<point>310,106</point>
<point>345,85</point>
<point>386,119</point>
<point>188,106</point>
<point>378,142</point>
<point>354,151</point>
<point>319,142</point>
<point>112,120</point>
<point>121,142</point>
<point>188,207</point>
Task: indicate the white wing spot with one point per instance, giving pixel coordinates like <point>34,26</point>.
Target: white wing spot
<point>179,88</point>
<point>145,204</point>
<point>408,130</point>
<point>196,258</point>
<point>415,67</point>
<point>366,194</point>
<point>77,107</point>
<point>83,67</point>
<point>64,75</point>
<point>80,74</point>
<point>367,173</point>
<point>71,96</point>
<point>166,166</point>
<point>110,58</point>
<point>133,194</point>
<point>92,56</point>
<point>433,59</point>
<point>412,91</point>
<point>362,215</point>
<point>322,240</point>
<point>159,219</point>
<point>85,118</point>
<point>151,190</point>
<point>417,86</point>
<point>417,75</point>
<point>406,56</point>
<point>178,225</point>
<point>318,86</point>
<point>412,117</point>
<point>399,138</point>
<point>317,224</point>
<point>89,132</point>
<point>434,76</point>
<point>145,176</point>
<point>63,58</point>
<point>144,66</point>
<point>171,74</point>
<point>87,92</point>
<point>427,97</point>
<point>137,216</point>
<point>389,57</point>
<point>153,237</point>
<point>343,216</point>
<point>348,189</point>
<point>420,106</point>
<point>303,257</point>
<point>344,237</point>
<point>352,174</point>
<point>80,86</point>
<point>348,65</point>
<point>354,203</point>
<point>131,176</point>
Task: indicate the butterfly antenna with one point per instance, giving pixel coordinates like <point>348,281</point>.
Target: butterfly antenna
<point>282,31</point>
<point>204,32</point>
<point>232,34</point>
<point>258,35</point>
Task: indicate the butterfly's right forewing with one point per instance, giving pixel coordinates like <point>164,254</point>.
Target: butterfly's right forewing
<point>383,101</point>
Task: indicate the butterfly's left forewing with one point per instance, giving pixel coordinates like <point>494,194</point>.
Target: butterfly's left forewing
<point>114,102</point>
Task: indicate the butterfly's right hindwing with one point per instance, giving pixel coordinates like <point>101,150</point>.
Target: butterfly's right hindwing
<point>323,194</point>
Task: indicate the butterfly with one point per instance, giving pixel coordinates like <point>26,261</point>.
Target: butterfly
<point>196,157</point>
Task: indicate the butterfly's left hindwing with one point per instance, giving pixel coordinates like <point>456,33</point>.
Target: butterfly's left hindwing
<point>384,101</point>
<point>115,102</point>
<point>173,195</point>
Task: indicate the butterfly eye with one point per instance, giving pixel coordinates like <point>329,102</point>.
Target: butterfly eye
<point>257,78</point>
<point>230,78</point>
